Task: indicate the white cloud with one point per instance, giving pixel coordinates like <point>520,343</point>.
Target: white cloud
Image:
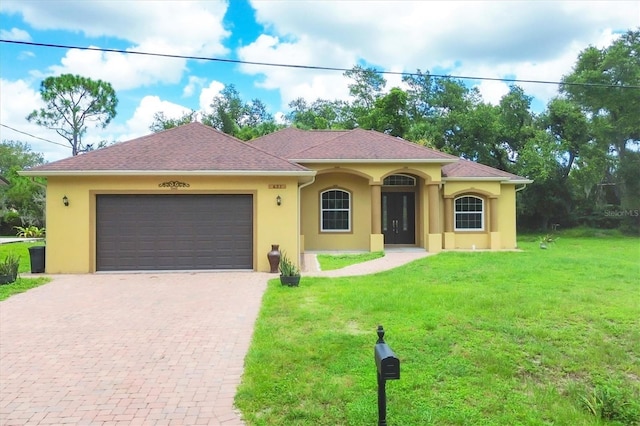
<point>493,91</point>
<point>526,40</point>
<point>208,93</point>
<point>195,83</point>
<point>186,28</point>
<point>138,124</point>
<point>17,101</point>
<point>294,83</point>
<point>121,70</point>
<point>15,34</point>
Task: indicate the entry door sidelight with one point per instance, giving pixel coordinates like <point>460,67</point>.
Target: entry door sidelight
<point>399,217</point>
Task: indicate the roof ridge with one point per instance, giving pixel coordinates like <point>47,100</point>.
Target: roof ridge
<point>407,142</point>
<point>264,151</point>
<point>321,142</point>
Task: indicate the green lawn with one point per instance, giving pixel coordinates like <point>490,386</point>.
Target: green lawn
<point>338,261</point>
<point>538,337</point>
<point>22,284</point>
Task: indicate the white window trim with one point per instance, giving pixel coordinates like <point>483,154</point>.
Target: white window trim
<point>322,210</point>
<point>400,174</point>
<point>455,215</point>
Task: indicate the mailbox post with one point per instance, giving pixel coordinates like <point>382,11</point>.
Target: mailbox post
<point>388,366</point>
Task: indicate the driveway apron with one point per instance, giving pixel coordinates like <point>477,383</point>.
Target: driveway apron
<point>127,348</point>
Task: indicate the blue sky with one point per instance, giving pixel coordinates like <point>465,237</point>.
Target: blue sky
<point>535,40</point>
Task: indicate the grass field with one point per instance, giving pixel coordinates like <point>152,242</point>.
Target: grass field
<point>485,338</point>
<point>22,284</point>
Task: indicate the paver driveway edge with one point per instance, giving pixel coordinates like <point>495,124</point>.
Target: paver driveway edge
<point>162,348</point>
<point>127,348</point>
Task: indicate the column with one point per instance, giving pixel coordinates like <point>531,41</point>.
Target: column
<point>493,212</point>
<point>448,215</point>
<point>434,209</point>
<point>376,239</point>
<point>494,232</point>
<point>376,208</point>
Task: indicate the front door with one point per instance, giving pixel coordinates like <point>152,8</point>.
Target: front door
<point>399,217</point>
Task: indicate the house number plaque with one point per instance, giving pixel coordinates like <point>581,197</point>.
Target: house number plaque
<point>173,184</point>
<point>277,186</point>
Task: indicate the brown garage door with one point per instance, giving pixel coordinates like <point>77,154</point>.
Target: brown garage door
<point>174,232</point>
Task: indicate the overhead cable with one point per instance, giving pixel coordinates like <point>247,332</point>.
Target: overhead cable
<point>313,67</point>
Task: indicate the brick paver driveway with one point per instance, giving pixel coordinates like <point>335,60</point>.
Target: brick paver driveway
<point>127,348</point>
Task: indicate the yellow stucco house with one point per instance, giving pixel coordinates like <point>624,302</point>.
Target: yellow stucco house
<point>193,198</point>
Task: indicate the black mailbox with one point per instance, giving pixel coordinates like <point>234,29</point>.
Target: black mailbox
<point>387,363</point>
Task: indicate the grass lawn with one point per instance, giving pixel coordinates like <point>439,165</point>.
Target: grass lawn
<point>22,284</point>
<point>538,337</point>
<point>337,261</point>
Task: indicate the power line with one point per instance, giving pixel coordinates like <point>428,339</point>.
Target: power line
<point>33,136</point>
<point>312,67</point>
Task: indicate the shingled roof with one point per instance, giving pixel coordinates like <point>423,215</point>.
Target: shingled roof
<point>345,145</point>
<point>465,169</point>
<point>193,147</point>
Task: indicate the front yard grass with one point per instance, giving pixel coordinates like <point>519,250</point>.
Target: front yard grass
<point>21,284</point>
<point>536,337</point>
<point>338,261</point>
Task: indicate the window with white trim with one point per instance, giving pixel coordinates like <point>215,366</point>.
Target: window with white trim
<point>399,180</point>
<point>335,211</point>
<point>469,213</point>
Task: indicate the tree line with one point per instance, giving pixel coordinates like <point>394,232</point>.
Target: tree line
<point>582,150</point>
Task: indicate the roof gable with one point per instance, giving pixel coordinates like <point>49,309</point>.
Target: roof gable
<point>191,147</point>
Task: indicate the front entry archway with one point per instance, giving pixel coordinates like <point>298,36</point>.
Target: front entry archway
<point>399,217</point>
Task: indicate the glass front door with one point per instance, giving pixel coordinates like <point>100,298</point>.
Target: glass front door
<point>399,217</point>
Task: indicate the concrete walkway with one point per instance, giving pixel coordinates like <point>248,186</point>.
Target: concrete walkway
<point>391,259</point>
<point>125,349</point>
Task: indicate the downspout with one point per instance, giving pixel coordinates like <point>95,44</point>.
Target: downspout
<point>298,224</point>
<point>521,188</point>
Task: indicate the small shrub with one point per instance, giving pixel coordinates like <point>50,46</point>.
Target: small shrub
<point>287,267</point>
<point>612,401</point>
<point>30,231</point>
<point>9,268</point>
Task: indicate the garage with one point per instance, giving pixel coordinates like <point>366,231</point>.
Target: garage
<point>174,232</point>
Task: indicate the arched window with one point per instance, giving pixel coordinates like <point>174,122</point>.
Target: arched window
<point>335,211</point>
<point>399,180</point>
<point>469,213</point>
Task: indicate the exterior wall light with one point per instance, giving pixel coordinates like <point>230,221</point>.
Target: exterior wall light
<point>65,201</point>
<point>279,200</point>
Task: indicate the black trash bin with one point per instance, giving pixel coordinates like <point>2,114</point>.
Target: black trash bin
<point>36,255</point>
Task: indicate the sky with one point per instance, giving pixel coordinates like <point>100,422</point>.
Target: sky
<point>531,40</point>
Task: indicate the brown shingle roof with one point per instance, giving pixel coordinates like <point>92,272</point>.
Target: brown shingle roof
<point>192,147</point>
<point>469,169</point>
<point>358,144</point>
<point>288,142</point>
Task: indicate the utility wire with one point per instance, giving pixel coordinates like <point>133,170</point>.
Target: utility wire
<point>33,136</point>
<point>313,67</point>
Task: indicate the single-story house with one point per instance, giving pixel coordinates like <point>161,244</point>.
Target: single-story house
<point>193,198</point>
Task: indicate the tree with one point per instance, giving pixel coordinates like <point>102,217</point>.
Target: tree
<point>162,122</point>
<point>72,102</point>
<point>321,114</point>
<point>614,109</point>
<point>228,111</point>
<point>22,201</point>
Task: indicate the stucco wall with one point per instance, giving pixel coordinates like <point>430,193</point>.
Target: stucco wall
<point>505,196</point>
<point>71,230</point>
<point>358,237</point>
